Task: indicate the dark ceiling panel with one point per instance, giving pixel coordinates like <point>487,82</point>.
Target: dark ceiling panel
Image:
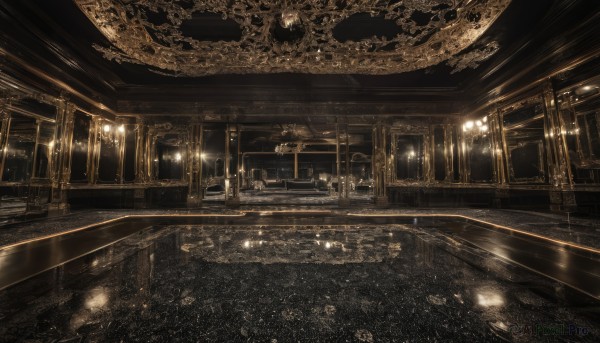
<point>533,37</point>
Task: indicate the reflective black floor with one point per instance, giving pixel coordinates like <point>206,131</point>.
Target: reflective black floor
<point>306,282</point>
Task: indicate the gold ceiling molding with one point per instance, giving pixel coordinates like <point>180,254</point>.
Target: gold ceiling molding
<point>428,32</point>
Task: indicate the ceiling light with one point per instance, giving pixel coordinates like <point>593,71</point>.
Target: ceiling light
<point>289,18</point>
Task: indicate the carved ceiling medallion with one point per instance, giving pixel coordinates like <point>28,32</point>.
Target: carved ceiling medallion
<point>303,36</point>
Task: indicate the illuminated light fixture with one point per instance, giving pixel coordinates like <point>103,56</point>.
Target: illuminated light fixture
<point>586,88</point>
<point>469,124</point>
<point>96,299</point>
<point>484,119</point>
<point>289,18</point>
<point>203,156</point>
<point>51,144</point>
<point>107,128</point>
<point>483,128</point>
<point>479,123</point>
<point>489,299</point>
<point>178,157</point>
<point>121,128</point>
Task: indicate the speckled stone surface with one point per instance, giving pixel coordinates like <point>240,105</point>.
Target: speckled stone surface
<point>314,283</point>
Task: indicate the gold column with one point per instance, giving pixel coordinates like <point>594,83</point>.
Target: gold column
<point>232,198</point>
<point>392,171</point>
<point>560,171</point>
<point>141,165</point>
<point>141,175</point>
<point>151,154</point>
<point>448,150</point>
<point>337,158</point>
<point>238,171</point>
<point>195,148</point>
<point>347,159</point>
<point>4,132</point>
<point>38,127</point>
<point>199,153</point>
<point>61,156</point>
<point>227,162</point>
<point>379,161</point>
<point>428,155</point>
<point>499,145</point>
<point>464,165</point>
<point>295,164</point>
<point>94,146</point>
<point>121,132</point>
<point>562,197</point>
<point>500,154</point>
<point>344,191</point>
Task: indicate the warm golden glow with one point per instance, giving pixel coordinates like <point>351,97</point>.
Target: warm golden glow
<point>449,39</point>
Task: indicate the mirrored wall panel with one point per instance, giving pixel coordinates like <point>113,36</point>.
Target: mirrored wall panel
<point>111,139</point>
<point>79,152</point>
<point>170,157</point>
<point>524,135</point>
<point>580,115</point>
<point>477,147</point>
<point>19,152</point>
<point>409,156</point>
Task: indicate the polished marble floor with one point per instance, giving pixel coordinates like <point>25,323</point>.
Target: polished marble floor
<point>283,283</point>
<point>582,231</point>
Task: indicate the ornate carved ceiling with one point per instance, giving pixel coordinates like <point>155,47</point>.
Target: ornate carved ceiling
<point>303,36</point>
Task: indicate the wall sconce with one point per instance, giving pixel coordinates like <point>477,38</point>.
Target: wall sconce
<point>109,134</point>
<point>479,124</point>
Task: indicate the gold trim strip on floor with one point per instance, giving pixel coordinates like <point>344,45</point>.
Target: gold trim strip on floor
<point>109,221</point>
<point>243,213</point>
<point>267,212</point>
<point>556,241</point>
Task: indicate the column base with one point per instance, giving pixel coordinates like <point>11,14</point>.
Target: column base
<point>569,203</point>
<point>233,202</point>
<point>194,201</point>
<point>344,202</point>
<point>562,201</point>
<point>139,198</point>
<point>58,209</point>
<point>381,201</point>
<point>501,197</point>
